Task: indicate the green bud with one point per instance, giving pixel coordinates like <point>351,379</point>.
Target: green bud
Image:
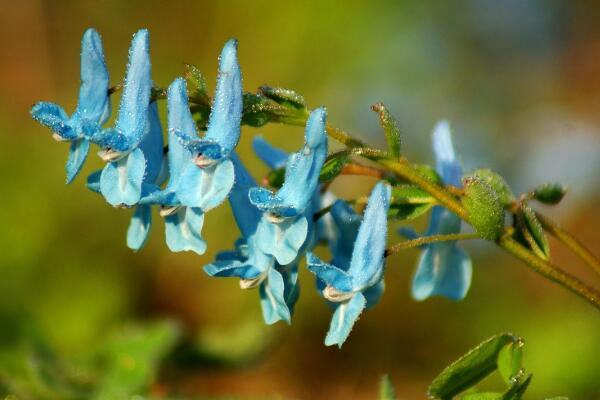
<point>549,193</point>
<point>505,194</point>
<point>390,128</point>
<point>483,205</point>
<point>284,96</point>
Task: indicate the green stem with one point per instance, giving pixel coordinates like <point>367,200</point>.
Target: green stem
<point>409,244</point>
<point>568,240</point>
<point>550,271</point>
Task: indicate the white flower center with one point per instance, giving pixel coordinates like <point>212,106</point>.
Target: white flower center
<point>254,282</point>
<point>336,296</point>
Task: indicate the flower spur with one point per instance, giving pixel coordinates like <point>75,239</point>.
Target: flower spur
<point>93,106</point>
<point>360,283</point>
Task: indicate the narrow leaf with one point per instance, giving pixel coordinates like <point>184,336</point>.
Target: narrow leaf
<point>533,232</point>
<point>333,166</point>
<point>390,128</point>
<point>518,388</point>
<point>470,368</point>
<point>195,77</point>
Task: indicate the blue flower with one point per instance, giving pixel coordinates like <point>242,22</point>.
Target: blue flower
<point>122,178</point>
<point>183,225</point>
<point>206,182</point>
<point>151,148</point>
<point>284,226</point>
<point>93,106</point>
<point>359,283</point>
<point>277,284</point>
<point>444,268</point>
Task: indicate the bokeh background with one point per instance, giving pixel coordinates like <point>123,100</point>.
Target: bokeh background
<point>518,79</point>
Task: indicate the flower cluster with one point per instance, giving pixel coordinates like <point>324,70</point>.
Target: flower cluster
<point>279,226</point>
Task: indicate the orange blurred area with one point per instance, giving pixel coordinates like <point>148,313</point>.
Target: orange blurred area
<point>519,82</point>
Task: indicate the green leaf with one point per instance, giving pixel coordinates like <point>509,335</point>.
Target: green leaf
<point>386,389</point>
<point>390,128</point>
<point>510,361</point>
<point>549,193</point>
<point>518,388</point>
<point>284,96</point>
<point>482,396</point>
<point>259,110</point>
<point>533,233</point>
<point>498,184</point>
<point>486,213</point>
<point>470,368</point>
<point>333,165</point>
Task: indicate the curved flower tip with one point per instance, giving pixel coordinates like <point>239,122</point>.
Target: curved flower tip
<point>447,163</point>
<point>139,227</point>
<point>226,114</point>
<point>272,298</point>
<point>444,269</point>
<point>269,154</point>
<point>344,317</point>
<point>315,128</point>
<point>179,119</point>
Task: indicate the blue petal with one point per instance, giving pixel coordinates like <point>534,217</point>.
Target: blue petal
<point>139,227</point>
<point>231,268</point>
<point>408,232</point>
<point>121,181</point>
<point>111,138</point>
<point>303,168</point>
<point>272,299</point>
<point>444,269</point>
<point>347,223</point>
<point>447,163</point>
<point>226,113</point>
<point>54,117</point>
<point>152,145</point>
<point>93,181</point>
<point>266,201</point>
<point>366,267</point>
<point>270,155</point>
<point>329,274</point>
<point>343,319</point>
<point>246,216</point>
<point>184,230</point>
<point>282,240</point>
<point>207,187</point>
<point>94,102</point>
<point>179,119</point>
<point>136,91</point>
<point>78,152</point>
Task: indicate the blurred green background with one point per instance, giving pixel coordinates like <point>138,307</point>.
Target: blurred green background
<point>520,82</point>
